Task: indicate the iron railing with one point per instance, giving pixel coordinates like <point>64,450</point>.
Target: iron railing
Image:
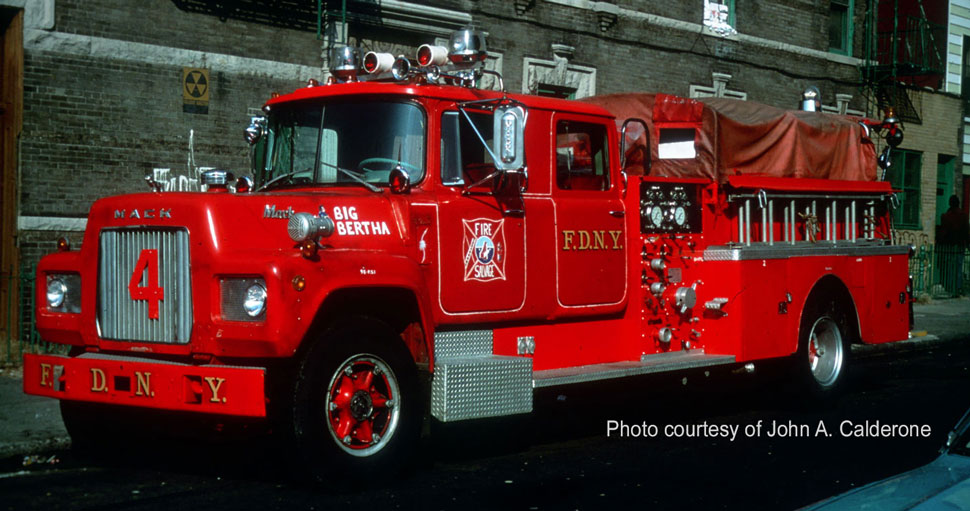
<point>916,47</point>
<point>19,331</point>
<point>940,271</point>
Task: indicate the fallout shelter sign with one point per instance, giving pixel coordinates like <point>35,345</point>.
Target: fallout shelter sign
<point>195,90</point>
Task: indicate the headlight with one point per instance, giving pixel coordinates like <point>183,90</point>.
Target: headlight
<point>56,291</point>
<point>243,298</point>
<point>255,302</point>
<point>64,292</point>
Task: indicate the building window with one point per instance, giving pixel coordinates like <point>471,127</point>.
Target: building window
<point>905,174</point>
<point>556,91</point>
<point>945,165</point>
<point>719,16</point>
<point>965,76</point>
<point>840,26</point>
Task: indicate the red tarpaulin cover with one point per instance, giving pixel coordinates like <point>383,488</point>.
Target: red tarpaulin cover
<point>734,137</point>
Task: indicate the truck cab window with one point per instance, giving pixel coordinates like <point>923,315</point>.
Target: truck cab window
<point>292,146</point>
<point>325,144</point>
<point>582,160</point>
<point>464,160</point>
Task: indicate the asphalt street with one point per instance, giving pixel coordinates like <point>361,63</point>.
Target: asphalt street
<point>563,457</point>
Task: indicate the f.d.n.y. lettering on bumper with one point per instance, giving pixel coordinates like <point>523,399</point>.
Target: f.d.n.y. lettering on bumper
<point>214,389</point>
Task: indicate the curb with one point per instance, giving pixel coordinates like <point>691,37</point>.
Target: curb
<point>14,450</point>
<point>916,343</point>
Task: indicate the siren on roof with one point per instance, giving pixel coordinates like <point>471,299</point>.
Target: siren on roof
<point>344,62</point>
<point>811,99</point>
<point>466,47</point>
<point>459,63</point>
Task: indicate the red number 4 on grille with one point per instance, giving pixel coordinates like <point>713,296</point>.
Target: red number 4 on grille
<point>151,291</point>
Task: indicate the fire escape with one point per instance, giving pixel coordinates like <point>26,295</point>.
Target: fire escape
<point>904,52</point>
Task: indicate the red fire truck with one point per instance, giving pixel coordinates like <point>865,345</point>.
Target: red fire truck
<point>409,244</point>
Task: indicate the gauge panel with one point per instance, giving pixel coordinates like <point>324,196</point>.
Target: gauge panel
<point>669,207</point>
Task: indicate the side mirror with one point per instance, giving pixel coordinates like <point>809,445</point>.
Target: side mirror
<point>256,129</point>
<point>508,142</point>
<point>644,151</point>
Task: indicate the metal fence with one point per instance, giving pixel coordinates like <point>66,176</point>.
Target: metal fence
<point>940,271</point>
<point>19,333</point>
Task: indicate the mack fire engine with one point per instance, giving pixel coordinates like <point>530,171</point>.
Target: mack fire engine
<point>410,245</point>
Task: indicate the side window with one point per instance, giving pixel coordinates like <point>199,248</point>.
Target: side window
<point>464,159</point>
<point>582,160</point>
<point>677,143</point>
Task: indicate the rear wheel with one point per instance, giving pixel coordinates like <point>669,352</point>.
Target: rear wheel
<point>823,353</point>
<point>355,408</point>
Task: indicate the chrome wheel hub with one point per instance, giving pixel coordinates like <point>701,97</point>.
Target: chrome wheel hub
<point>825,351</point>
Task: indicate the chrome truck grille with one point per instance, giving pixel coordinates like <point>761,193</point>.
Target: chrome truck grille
<point>126,302</point>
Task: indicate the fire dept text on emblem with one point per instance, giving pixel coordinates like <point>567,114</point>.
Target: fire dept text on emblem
<point>484,248</point>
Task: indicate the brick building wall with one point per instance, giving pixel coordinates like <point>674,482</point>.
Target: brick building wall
<point>655,46</point>
<point>103,103</point>
<point>103,79</point>
<point>936,136</point>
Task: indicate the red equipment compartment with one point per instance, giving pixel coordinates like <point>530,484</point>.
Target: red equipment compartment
<point>214,389</point>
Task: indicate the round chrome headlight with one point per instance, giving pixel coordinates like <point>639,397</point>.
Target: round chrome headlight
<point>56,291</point>
<point>255,302</point>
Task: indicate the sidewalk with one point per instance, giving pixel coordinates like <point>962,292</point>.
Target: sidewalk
<point>28,424</point>
<point>31,424</point>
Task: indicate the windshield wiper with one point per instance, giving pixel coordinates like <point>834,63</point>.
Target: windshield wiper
<point>355,177</point>
<point>279,178</point>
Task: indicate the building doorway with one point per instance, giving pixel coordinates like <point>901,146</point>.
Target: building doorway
<point>11,120</point>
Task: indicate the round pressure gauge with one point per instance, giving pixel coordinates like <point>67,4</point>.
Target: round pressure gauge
<point>680,216</point>
<point>657,216</point>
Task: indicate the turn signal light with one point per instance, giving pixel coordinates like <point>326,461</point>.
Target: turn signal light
<point>309,249</point>
<point>399,180</point>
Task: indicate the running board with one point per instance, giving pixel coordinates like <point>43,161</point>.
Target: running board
<point>648,364</point>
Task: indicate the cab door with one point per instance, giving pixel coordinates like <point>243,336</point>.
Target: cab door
<point>481,229</point>
<point>591,265</point>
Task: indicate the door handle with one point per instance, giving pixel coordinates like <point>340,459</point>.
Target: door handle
<point>617,213</point>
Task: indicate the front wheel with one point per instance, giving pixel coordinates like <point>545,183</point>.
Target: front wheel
<point>823,352</point>
<point>98,429</point>
<point>356,408</point>
<point>362,405</point>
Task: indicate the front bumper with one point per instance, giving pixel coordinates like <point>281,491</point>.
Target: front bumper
<point>130,381</point>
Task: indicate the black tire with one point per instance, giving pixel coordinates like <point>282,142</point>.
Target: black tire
<point>100,430</point>
<point>345,427</point>
<point>823,353</point>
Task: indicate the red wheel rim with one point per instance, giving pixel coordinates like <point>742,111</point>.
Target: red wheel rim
<point>362,405</point>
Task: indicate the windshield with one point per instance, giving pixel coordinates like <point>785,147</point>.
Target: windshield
<point>342,143</point>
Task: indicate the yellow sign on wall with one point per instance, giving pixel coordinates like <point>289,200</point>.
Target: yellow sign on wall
<point>195,90</point>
